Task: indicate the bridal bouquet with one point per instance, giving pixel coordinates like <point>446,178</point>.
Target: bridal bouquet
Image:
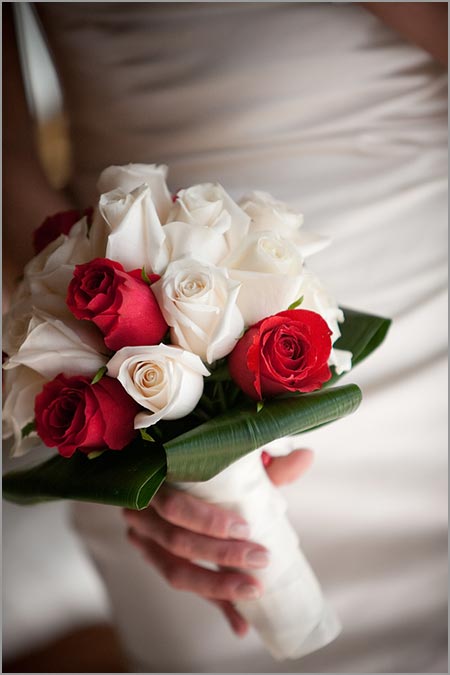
<point>159,337</point>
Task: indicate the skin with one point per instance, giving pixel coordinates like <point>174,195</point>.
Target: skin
<point>422,23</point>
<point>177,528</point>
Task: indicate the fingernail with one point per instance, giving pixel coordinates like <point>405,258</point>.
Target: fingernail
<point>266,458</point>
<point>239,531</point>
<point>248,592</point>
<point>257,558</point>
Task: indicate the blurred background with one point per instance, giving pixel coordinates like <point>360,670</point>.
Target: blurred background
<point>62,623</point>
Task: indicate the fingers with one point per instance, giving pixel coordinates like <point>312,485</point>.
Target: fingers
<point>192,546</point>
<point>282,470</point>
<point>186,511</point>
<point>237,622</point>
<point>183,575</point>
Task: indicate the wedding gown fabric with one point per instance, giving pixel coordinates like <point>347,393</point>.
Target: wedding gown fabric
<point>330,111</point>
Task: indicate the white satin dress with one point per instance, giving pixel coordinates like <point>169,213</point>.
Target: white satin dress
<point>330,111</point>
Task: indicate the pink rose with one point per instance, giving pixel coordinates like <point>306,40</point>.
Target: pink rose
<point>122,305</point>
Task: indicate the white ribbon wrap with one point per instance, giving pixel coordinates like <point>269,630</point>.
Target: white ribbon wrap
<point>291,617</point>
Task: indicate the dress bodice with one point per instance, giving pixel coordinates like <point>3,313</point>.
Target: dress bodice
<point>329,110</point>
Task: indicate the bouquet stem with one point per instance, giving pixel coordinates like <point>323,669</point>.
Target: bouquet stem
<point>291,617</point>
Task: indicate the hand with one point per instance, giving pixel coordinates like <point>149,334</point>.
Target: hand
<point>177,529</point>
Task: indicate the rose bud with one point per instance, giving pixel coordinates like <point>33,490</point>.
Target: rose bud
<point>285,352</point>
<point>73,414</point>
<point>59,223</point>
<point>122,305</point>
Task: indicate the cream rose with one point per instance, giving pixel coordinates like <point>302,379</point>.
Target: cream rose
<point>164,379</point>
<point>15,325</point>
<point>48,274</point>
<point>134,235</point>
<point>202,243</point>
<point>20,389</point>
<point>131,176</point>
<point>267,213</point>
<point>269,269</point>
<point>44,286</point>
<point>52,346</point>
<point>209,206</point>
<point>198,302</point>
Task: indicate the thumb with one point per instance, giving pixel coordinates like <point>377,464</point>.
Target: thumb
<point>287,469</point>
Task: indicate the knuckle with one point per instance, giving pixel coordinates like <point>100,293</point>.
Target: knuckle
<point>220,588</point>
<point>178,542</point>
<point>169,506</point>
<point>216,523</point>
<point>228,556</point>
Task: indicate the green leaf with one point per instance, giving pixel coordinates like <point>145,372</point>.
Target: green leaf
<point>202,452</point>
<point>131,477</point>
<point>128,478</point>
<point>219,374</point>
<point>99,374</point>
<point>146,436</point>
<point>28,428</point>
<point>297,303</point>
<point>95,453</point>
<point>361,334</point>
<point>145,276</point>
<point>259,406</point>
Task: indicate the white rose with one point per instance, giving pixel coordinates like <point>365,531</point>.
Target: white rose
<point>44,286</point>
<point>98,235</point>
<point>198,302</point>
<point>209,206</point>
<point>21,386</point>
<point>318,299</point>
<point>267,213</point>
<point>269,269</point>
<point>48,274</point>
<point>202,243</point>
<point>166,380</point>
<point>52,346</point>
<point>266,252</point>
<point>131,176</point>
<point>135,237</point>
<point>15,325</point>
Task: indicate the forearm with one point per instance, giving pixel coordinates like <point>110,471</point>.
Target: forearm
<point>27,195</point>
<point>28,198</point>
<point>423,23</point>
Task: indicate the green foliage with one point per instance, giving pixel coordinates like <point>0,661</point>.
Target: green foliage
<point>28,428</point>
<point>127,478</point>
<point>99,374</point>
<point>297,303</point>
<point>202,444</point>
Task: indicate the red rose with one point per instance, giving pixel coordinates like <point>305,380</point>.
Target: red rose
<point>119,303</point>
<point>71,413</point>
<point>285,352</point>
<point>59,223</point>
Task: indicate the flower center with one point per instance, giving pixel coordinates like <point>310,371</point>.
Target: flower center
<point>192,286</point>
<point>148,376</point>
<point>272,248</point>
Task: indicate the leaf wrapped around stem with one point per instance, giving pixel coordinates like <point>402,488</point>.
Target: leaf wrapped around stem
<point>191,448</point>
